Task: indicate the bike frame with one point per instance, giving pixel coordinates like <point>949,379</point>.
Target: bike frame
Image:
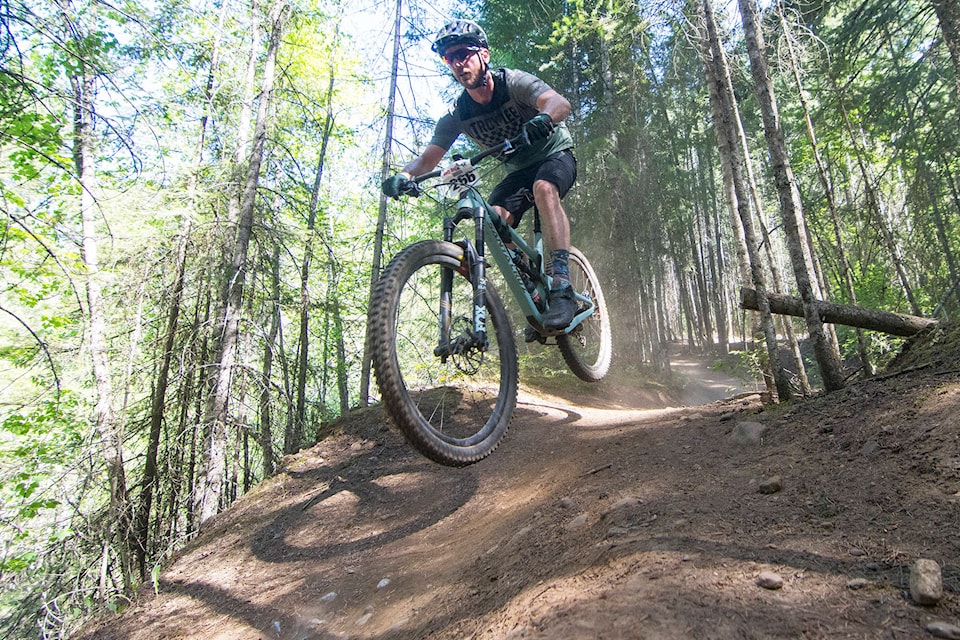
<point>491,232</point>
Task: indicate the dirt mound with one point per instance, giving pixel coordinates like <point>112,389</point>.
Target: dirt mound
<point>598,523</point>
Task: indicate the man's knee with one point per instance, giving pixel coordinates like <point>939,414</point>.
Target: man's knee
<point>505,215</point>
<point>543,189</point>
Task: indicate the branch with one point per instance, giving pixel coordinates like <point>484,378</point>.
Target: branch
<point>41,343</point>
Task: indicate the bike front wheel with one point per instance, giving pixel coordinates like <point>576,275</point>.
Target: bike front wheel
<point>454,410</point>
<point>587,349</point>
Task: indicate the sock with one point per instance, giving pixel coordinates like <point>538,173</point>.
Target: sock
<point>560,270</point>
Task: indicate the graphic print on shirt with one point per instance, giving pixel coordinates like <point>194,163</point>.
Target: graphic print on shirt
<point>493,128</point>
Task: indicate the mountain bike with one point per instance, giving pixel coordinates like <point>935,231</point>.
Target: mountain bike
<point>443,349</point>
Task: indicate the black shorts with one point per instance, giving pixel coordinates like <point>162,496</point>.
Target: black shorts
<point>515,192</point>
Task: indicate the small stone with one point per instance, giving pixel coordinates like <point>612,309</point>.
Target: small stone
<point>364,619</point>
<point>383,583</point>
<point>566,503</point>
<point>858,583</point>
<point>329,597</point>
<point>857,552</point>
<point>869,448</point>
<point>578,523</point>
<point>941,629</point>
<point>770,580</point>
<point>926,583</point>
<point>771,485</point>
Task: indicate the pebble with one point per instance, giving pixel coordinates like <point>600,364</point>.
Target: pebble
<point>771,485</point>
<point>869,448</point>
<point>941,629</point>
<point>770,580</point>
<point>926,583</point>
<point>383,583</point>
<point>577,523</point>
<point>624,503</point>
<point>329,597</point>
<point>858,583</point>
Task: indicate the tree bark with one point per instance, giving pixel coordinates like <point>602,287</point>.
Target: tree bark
<point>948,14</point>
<point>826,354</point>
<point>83,81</point>
<point>265,417</point>
<point>897,324</point>
<point>210,491</point>
<point>303,350</point>
<point>382,212</point>
<point>846,271</point>
<point>157,405</point>
<point>721,106</point>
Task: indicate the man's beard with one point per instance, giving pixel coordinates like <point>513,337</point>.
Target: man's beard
<point>479,81</point>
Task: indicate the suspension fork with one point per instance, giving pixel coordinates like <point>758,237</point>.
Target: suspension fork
<point>473,261</point>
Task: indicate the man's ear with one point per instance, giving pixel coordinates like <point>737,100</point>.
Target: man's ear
<point>485,54</point>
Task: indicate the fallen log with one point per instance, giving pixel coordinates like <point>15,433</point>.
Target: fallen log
<point>897,324</point>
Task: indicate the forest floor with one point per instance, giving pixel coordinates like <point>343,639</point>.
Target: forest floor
<point>599,517</point>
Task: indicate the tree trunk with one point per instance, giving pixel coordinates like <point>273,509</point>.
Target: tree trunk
<point>303,350</point>
<point>382,212</point>
<point>948,14</point>
<point>83,84</point>
<point>897,324</point>
<point>210,491</point>
<point>827,357</point>
<point>157,405</point>
<point>265,417</point>
<point>721,106</point>
<point>875,203</point>
<point>846,271</point>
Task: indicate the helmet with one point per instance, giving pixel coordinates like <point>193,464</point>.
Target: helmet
<point>459,32</point>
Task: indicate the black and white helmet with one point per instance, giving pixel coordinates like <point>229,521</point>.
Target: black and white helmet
<point>457,32</point>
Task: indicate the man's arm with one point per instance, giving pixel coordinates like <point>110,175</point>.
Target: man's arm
<point>427,160</point>
<point>553,104</point>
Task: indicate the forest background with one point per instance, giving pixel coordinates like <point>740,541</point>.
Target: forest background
<point>192,223</point>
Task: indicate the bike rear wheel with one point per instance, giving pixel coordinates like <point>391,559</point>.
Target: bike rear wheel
<point>587,349</point>
<point>454,412</point>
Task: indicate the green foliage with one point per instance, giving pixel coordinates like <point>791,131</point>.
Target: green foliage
<point>648,209</point>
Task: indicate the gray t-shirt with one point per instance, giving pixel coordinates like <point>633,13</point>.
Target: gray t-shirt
<point>514,102</point>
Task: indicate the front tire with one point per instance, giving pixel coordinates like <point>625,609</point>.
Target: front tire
<point>587,349</point>
<point>454,412</point>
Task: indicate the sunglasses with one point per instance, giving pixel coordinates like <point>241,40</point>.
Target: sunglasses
<point>460,55</point>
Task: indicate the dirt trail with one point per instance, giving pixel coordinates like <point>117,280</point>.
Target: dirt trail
<point>703,384</point>
<point>593,523</point>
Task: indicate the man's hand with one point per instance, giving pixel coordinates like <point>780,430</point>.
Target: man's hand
<point>538,127</point>
<point>398,185</point>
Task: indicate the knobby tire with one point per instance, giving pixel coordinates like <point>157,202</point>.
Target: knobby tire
<point>587,349</point>
<point>457,412</point>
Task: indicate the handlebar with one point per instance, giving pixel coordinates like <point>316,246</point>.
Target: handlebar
<point>506,147</point>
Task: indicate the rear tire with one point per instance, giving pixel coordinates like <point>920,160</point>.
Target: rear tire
<point>454,412</point>
<point>587,350</point>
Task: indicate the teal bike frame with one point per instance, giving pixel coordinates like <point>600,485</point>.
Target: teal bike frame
<point>491,232</point>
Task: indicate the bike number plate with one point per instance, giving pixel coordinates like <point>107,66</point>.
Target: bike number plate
<point>457,178</point>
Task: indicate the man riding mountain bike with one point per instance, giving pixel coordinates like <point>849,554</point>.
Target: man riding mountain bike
<point>500,104</point>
